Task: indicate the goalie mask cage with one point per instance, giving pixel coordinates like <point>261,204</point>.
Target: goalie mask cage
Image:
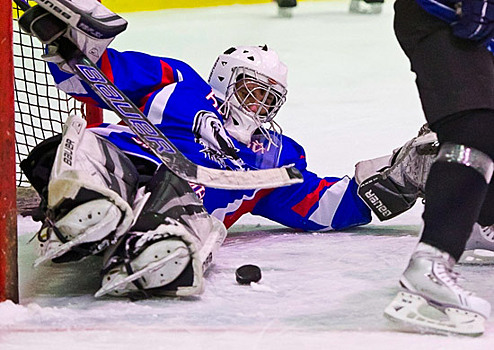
<point>32,109</point>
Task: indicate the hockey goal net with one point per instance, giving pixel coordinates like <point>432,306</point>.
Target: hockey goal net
<point>38,110</point>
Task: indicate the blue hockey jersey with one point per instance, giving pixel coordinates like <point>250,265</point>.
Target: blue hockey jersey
<point>182,105</point>
<point>446,11</point>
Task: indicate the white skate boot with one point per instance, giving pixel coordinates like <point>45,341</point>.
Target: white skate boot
<point>480,246</point>
<point>363,7</point>
<point>433,301</point>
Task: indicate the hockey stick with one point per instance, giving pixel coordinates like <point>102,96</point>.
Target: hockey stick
<point>140,125</point>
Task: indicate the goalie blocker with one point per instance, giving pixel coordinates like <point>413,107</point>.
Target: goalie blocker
<point>390,185</point>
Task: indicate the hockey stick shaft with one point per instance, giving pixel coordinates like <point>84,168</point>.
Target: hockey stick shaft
<point>171,157</point>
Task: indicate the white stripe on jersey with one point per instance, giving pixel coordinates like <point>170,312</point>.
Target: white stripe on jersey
<point>158,105</point>
<point>111,128</point>
<point>329,202</point>
<point>220,213</point>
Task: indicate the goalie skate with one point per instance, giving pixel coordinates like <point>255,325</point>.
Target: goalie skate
<point>87,224</point>
<point>159,264</point>
<point>426,317</point>
<point>479,249</point>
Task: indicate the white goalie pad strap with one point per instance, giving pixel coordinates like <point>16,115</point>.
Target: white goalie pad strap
<point>79,163</point>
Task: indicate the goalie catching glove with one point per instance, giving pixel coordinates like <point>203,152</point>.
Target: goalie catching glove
<point>87,23</point>
<point>390,185</point>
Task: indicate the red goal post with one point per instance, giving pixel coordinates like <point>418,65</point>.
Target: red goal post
<point>32,109</point>
<point>8,211</point>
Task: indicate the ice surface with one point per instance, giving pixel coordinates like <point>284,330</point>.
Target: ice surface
<point>351,97</point>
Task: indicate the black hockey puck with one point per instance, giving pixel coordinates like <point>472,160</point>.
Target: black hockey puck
<point>248,273</point>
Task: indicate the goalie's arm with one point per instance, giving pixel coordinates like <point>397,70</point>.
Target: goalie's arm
<point>136,74</point>
<point>328,203</point>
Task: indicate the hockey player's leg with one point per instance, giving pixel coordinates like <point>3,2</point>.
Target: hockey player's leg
<point>86,196</point>
<point>391,184</point>
<point>87,23</point>
<point>167,250</point>
<point>480,246</point>
<point>432,298</point>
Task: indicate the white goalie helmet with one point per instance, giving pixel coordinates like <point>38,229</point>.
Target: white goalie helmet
<point>251,81</point>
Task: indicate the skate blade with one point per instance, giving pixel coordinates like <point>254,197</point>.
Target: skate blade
<point>477,257</point>
<point>285,12</point>
<point>55,253</point>
<point>414,310</point>
<point>121,281</point>
<point>63,248</point>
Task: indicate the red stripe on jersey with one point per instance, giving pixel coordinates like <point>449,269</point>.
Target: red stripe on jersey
<point>166,74</point>
<point>144,100</point>
<point>245,207</point>
<point>95,125</point>
<point>87,100</point>
<point>166,79</point>
<point>303,207</point>
<point>106,67</point>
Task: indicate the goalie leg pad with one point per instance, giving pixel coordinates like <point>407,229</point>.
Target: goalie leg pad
<point>168,249</point>
<point>87,198</point>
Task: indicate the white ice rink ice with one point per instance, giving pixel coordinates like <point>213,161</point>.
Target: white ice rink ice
<point>351,97</point>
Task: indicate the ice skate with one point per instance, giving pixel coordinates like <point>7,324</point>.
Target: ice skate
<point>85,231</point>
<point>144,265</point>
<point>391,184</point>
<point>432,301</point>
<point>480,246</point>
<point>285,7</point>
<point>362,7</point>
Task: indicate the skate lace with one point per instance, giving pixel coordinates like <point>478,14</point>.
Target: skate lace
<point>488,232</point>
<point>49,224</point>
<point>450,278</point>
